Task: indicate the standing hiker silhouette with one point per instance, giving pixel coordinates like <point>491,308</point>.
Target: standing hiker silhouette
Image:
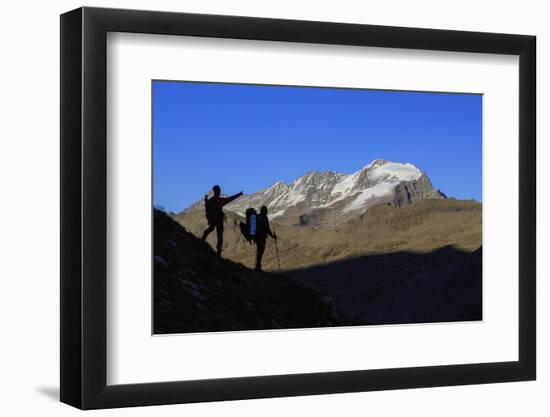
<point>215,215</point>
<point>262,231</point>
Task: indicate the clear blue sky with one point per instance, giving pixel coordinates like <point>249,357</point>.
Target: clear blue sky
<point>247,137</point>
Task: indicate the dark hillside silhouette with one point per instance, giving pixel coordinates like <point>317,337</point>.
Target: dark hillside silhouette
<point>402,287</point>
<point>197,291</point>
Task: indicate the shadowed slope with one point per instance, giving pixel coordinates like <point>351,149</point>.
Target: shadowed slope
<point>196,291</point>
<point>402,287</point>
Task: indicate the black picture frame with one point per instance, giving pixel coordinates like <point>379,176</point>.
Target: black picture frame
<point>84,207</point>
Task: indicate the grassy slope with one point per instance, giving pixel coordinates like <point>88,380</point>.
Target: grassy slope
<point>423,227</point>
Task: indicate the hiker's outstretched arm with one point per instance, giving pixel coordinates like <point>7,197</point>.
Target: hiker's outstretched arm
<point>227,200</point>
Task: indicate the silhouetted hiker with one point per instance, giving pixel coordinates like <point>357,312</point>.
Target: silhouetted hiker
<point>215,215</point>
<point>262,231</point>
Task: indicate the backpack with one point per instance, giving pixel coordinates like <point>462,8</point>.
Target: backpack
<point>248,229</point>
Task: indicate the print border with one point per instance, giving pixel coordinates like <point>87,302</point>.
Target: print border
<point>84,209</point>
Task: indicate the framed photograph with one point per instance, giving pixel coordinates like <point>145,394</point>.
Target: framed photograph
<point>256,208</point>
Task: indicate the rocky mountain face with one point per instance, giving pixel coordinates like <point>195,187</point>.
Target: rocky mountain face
<point>328,198</point>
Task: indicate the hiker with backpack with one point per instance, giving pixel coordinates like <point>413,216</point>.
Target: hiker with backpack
<point>255,230</point>
<point>215,215</point>
<point>262,231</point>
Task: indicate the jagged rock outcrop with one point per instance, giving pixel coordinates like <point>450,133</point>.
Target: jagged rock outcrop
<point>409,192</point>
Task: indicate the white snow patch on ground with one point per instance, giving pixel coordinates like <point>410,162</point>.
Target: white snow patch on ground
<point>277,200</point>
<point>379,190</point>
<point>345,185</point>
<point>293,198</point>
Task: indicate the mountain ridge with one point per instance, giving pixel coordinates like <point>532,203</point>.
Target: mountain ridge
<point>340,196</point>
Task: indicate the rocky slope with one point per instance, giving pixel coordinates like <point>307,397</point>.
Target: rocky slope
<point>196,291</point>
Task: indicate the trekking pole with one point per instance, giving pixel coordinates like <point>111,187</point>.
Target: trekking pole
<point>277,251</point>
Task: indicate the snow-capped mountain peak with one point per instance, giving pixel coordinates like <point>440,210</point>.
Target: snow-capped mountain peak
<point>379,182</point>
